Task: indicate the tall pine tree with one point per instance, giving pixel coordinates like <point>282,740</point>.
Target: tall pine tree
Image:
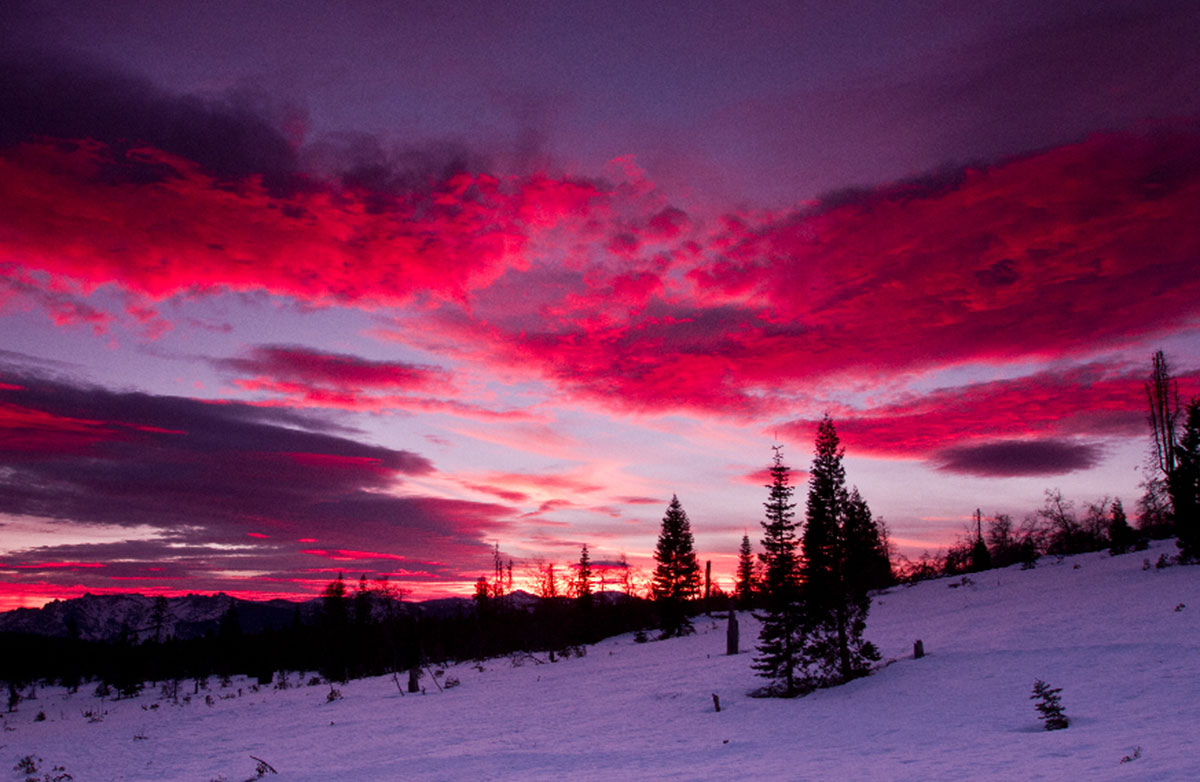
<point>677,572</point>
<point>1121,537</point>
<point>745,587</point>
<point>835,602</point>
<point>583,577</point>
<point>868,563</point>
<point>779,591</point>
<point>1184,486</point>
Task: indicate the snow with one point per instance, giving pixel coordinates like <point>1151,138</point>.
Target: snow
<point>1121,641</point>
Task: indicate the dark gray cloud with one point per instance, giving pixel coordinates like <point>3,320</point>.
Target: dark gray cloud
<point>235,134</point>
<point>1013,458</point>
<point>210,476</point>
<point>63,98</point>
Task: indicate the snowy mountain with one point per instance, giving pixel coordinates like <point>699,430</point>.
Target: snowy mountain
<point>1119,636</point>
<point>105,617</point>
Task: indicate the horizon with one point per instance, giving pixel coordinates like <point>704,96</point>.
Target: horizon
<point>288,294</point>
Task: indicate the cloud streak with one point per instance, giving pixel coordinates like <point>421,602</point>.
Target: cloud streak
<point>227,488</point>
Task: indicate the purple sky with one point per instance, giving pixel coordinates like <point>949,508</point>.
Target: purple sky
<point>298,288</point>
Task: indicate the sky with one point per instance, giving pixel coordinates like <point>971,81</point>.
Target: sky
<point>294,289</point>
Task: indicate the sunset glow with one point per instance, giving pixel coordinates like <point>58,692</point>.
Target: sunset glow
<point>284,296</point>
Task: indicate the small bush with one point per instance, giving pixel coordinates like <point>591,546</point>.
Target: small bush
<point>41,717</point>
<point>27,765</point>
<point>334,694</point>
<point>261,769</point>
<point>1132,756</point>
<point>1049,705</point>
<point>94,715</point>
<point>451,681</point>
<point>30,766</point>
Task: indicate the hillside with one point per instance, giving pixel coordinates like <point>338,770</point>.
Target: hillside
<point>1123,643</point>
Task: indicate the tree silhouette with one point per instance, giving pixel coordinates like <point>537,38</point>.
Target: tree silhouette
<point>1184,485</point>
<point>835,603</point>
<point>677,572</point>
<point>1121,537</point>
<point>582,588</point>
<point>746,586</point>
<point>334,616</point>
<point>981,558</point>
<point>779,591</point>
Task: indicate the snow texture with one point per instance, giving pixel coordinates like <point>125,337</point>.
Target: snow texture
<point>1123,643</point>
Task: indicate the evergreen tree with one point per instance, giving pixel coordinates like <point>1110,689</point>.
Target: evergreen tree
<point>362,602</point>
<point>745,588</point>
<point>334,620</point>
<point>868,563</point>
<point>981,558</point>
<point>779,590</point>
<point>583,577</point>
<point>1049,705</point>
<point>158,617</point>
<point>677,573</point>
<point>1121,537</point>
<point>835,604</point>
<point>1184,486</point>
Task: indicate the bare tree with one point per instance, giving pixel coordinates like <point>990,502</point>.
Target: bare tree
<point>1062,528</point>
<point>545,578</point>
<point>1162,394</point>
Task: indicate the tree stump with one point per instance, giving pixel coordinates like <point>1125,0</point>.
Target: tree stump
<point>731,633</point>
<point>716,702</point>
<point>414,680</point>
<point>918,649</point>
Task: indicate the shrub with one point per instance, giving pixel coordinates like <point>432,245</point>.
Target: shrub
<point>1049,705</point>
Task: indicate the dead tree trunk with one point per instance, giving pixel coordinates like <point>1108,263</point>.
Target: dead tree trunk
<point>731,632</point>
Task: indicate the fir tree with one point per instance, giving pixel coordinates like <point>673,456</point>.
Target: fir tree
<point>677,573</point>
<point>334,620</point>
<point>981,558</point>
<point>835,604</point>
<point>868,563</point>
<point>583,577</point>
<point>158,617</point>
<point>1184,486</point>
<point>362,602</point>
<point>1121,537</point>
<point>779,590</point>
<point>745,588</point>
<point>1049,705</point>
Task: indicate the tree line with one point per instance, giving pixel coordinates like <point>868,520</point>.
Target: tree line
<point>809,585</point>
<point>1168,507</point>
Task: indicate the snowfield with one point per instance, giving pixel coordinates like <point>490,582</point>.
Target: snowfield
<point>1121,641</point>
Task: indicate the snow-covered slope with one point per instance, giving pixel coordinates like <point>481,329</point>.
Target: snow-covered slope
<point>1122,642</point>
